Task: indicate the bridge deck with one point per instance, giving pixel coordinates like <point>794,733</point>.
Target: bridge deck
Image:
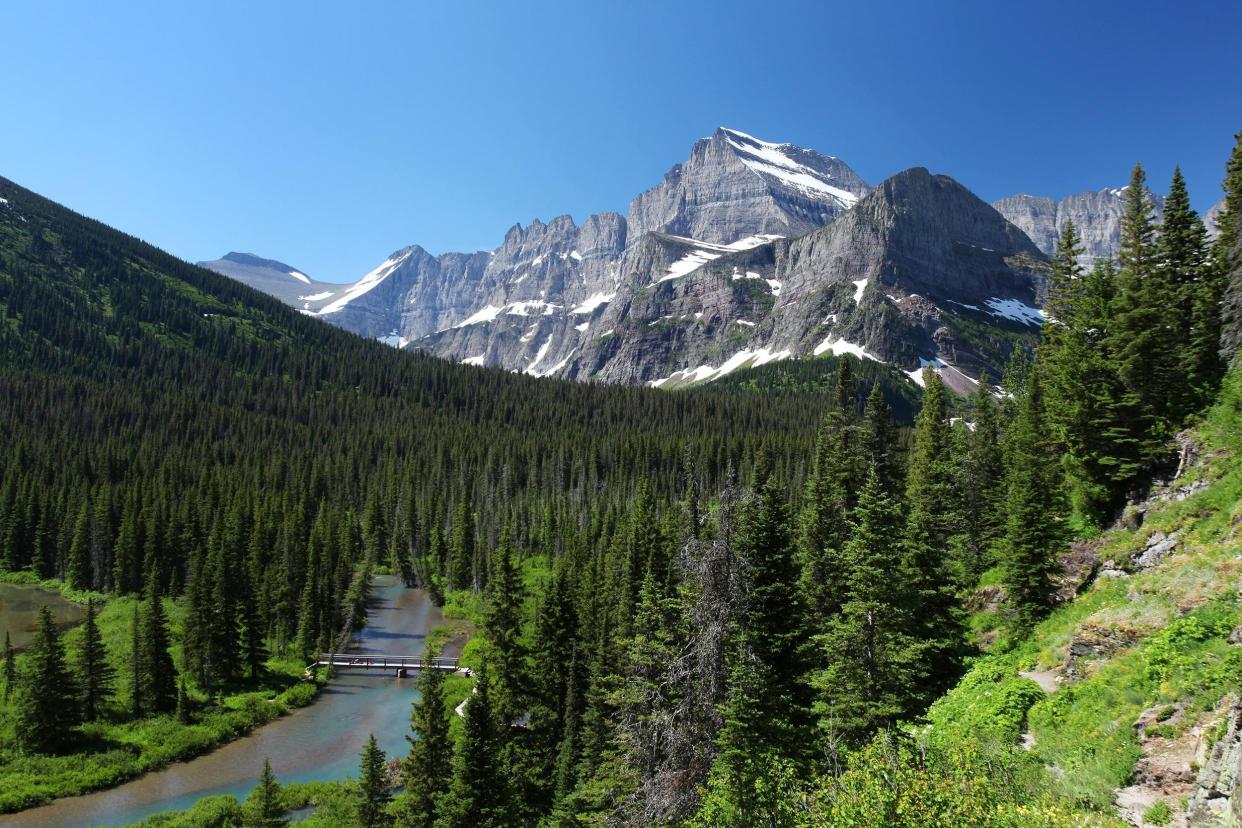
<point>383,662</point>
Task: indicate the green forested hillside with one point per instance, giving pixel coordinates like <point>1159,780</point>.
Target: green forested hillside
<point>713,608</point>
<point>170,432</point>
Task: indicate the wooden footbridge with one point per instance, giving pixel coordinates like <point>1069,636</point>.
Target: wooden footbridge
<point>400,665</point>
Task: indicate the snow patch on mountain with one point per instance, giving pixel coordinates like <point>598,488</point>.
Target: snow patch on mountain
<point>767,158</point>
<point>859,287</point>
<point>365,284</point>
<point>594,301</point>
<point>1015,310</point>
<point>837,346</point>
<point>746,358</point>
<point>487,314</point>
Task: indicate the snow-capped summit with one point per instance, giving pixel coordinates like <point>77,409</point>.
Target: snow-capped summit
<point>736,185</point>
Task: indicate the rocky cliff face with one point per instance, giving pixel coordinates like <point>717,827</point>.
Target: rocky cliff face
<point>909,276</point>
<point>1096,215</point>
<point>736,185</point>
<point>748,252</point>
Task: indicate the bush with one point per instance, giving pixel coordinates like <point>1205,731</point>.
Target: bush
<point>1158,814</point>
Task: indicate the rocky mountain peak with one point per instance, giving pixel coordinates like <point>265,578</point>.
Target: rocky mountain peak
<point>735,185</point>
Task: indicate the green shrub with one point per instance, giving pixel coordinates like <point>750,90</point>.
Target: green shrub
<point>1158,814</point>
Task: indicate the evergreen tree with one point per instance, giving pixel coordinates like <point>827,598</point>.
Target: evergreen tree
<point>830,494</point>
<point>1032,504</point>
<point>10,667</point>
<point>1181,252</point>
<point>79,572</point>
<point>184,713</point>
<point>1094,418</point>
<point>775,626</point>
<point>981,483</point>
<point>94,672</point>
<point>373,793</point>
<point>477,796</point>
<point>159,676</point>
<point>265,807</point>
<point>1227,257</point>
<point>1143,344</point>
<point>427,770</point>
<point>46,707</point>
<point>875,671</point>
<point>137,703</point>
<point>933,519</point>
<point>461,547</point>
<point>879,442</point>
<point>502,621</point>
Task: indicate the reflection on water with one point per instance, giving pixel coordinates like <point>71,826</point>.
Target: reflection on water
<point>321,741</point>
<point>19,611</point>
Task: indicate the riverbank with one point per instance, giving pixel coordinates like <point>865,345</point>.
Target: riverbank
<point>319,742</point>
<point>115,748</point>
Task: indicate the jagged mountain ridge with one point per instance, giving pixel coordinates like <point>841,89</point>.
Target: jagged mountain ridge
<point>733,185</point>
<point>707,274</point>
<point>1096,215</point>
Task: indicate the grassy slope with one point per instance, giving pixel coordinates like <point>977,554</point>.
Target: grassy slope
<point>1172,622</point>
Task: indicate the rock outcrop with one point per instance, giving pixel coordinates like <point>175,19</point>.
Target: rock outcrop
<point>1096,216</point>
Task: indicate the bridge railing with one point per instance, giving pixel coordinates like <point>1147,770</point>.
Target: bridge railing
<point>384,661</point>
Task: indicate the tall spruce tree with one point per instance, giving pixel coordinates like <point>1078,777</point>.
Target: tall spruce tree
<point>1181,259</point>
<point>775,623</point>
<point>159,676</point>
<point>1034,523</point>
<point>1095,420</point>
<point>95,674</point>
<point>1143,344</point>
<point>427,770</point>
<point>137,701</point>
<point>875,670</point>
<point>461,547</point>
<point>933,519</point>
<point>830,493</point>
<point>10,667</point>
<point>79,570</point>
<point>265,807</point>
<point>373,793</point>
<point>1227,257</point>
<point>46,707</point>
<point>982,481</point>
<point>502,621</point>
<point>478,794</point>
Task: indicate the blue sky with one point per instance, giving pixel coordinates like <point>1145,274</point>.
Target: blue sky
<point>329,134</point>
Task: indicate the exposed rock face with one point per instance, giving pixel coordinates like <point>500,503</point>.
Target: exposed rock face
<point>892,280</point>
<point>735,185</point>
<point>1096,216</point>
<point>278,279</point>
<point>1217,799</point>
<point>748,252</point>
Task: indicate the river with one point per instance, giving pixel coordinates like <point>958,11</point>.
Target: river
<point>321,741</point>
<point>19,611</point>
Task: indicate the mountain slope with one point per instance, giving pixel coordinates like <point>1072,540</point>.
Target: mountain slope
<point>278,279</point>
<point>920,272</point>
<point>1096,215</point>
<point>1128,695</point>
<point>732,187</point>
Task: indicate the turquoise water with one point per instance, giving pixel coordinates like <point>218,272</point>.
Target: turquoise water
<point>318,742</point>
